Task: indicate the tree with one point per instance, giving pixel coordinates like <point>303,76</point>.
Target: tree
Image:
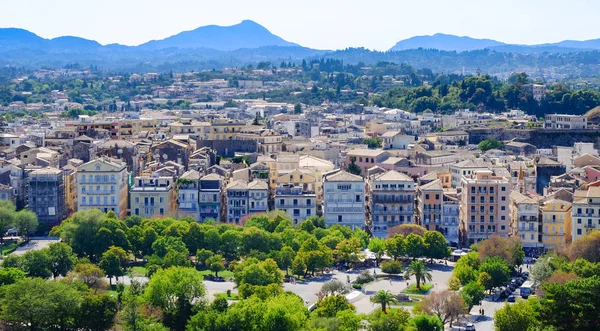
<point>286,258</point>
<point>334,287</point>
<point>406,229</point>
<point>202,255</point>
<point>177,291</point>
<point>97,312</point>
<point>392,267</point>
<point>7,218</point>
<point>372,142</point>
<point>559,278</point>
<point>420,271</point>
<point>414,246</point>
<point>298,266</point>
<point>331,305</point>
<point>377,246</point>
<point>62,259</point>
<point>297,108</point>
<point>37,264</point>
<point>472,294</point>
<point>446,305</point>
<point>486,281</point>
<point>396,320</point>
<point>348,250</point>
<point>10,276</point>
<point>541,270</point>
<point>215,264</point>
<point>395,246</point>
<point>89,274</point>
<point>427,323</point>
<point>82,233</point>
<point>40,304</point>
<point>519,316</point>
<point>497,269</point>
<point>488,144</point>
<point>26,223</point>
<point>453,283</point>
<point>586,247</point>
<point>436,245</point>
<point>112,262</point>
<point>353,168</point>
<point>466,267</point>
<point>384,298</point>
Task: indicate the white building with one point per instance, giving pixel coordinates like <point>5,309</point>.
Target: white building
<point>562,121</point>
<point>344,201</point>
<point>258,196</point>
<point>102,184</point>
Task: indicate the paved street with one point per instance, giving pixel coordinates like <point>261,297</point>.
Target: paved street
<point>35,244</point>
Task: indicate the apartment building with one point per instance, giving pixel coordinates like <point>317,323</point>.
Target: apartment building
<point>562,121</point>
<point>524,219</point>
<point>210,197</point>
<point>47,195</point>
<point>392,201</point>
<point>268,140</point>
<point>237,201</point>
<point>296,200</point>
<point>466,168</point>
<point>366,158</point>
<point>258,196</point>
<point>188,189</point>
<point>344,201</point>
<point>450,226</point>
<point>150,196</point>
<point>190,127</point>
<point>102,184</point>
<point>585,212</point>
<point>556,223</point>
<point>225,130</point>
<point>430,198</point>
<point>484,206</point>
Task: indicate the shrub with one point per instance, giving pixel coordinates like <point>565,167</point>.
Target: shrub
<point>364,277</point>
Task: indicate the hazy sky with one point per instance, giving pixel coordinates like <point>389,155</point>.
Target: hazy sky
<point>323,24</point>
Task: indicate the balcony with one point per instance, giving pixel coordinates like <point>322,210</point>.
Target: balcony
<point>291,205</point>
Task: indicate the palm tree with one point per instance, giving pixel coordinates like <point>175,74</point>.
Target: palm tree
<point>420,271</point>
<point>385,298</point>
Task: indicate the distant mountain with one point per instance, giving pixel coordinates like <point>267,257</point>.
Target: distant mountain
<point>12,38</point>
<point>247,34</point>
<point>74,43</point>
<point>445,42</point>
<point>585,44</point>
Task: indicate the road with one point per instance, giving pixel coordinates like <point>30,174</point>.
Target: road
<point>35,244</point>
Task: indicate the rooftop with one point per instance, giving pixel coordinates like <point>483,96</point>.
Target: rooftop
<point>342,176</point>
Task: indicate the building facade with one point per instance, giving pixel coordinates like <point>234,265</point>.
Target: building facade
<point>556,223</point>
<point>237,201</point>
<point>210,198</point>
<point>344,201</point>
<point>392,201</point>
<point>484,207</point>
<point>524,219</point>
<point>150,196</point>
<point>562,121</point>
<point>102,184</point>
<point>188,190</point>
<point>47,195</point>
<point>429,205</point>
<point>258,196</point>
<point>296,201</point>
<point>585,212</point>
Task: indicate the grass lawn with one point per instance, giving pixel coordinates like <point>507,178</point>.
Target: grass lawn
<point>139,271</point>
<point>9,248</point>
<point>224,273</point>
<point>233,296</point>
<point>413,289</point>
<point>112,291</point>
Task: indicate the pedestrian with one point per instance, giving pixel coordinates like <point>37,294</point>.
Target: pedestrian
<point>482,312</point>
<point>390,280</point>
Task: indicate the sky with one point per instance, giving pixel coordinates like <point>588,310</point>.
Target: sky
<point>320,24</point>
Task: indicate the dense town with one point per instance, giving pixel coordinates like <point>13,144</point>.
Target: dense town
<point>461,192</point>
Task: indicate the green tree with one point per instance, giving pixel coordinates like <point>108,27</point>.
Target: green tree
<point>40,304</point>
<point>542,269</point>
<point>89,274</point>
<point>113,261</point>
<point>298,266</point>
<point>10,276</point>
<point>202,255</point>
<point>519,316</point>
<point>62,259</point>
<point>7,218</point>
<point>498,270</point>
<point>420,271</point>
<point>97,312</point>
<point>377,246</point>
<point>37,264</point>
<point>383,298</point>
<point>436,245</point>
<point>486,281</point>
<point>427,323</point>
<point>396,320</point>
<point>372,142</point>
<point>353,168</point>
<point>414,246</point>
<point>297,108</point>
<point>177,291</point>
<point>82,233</point>
<point>215,264</point>
<point>488,144</point>
<point>286,258</point>
<point>472,294</point>
<point>392,267</point>
<point>395,246</point>
<point>26,223</point>
<point>331,305</point>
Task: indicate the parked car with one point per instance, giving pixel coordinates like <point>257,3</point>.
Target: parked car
<point>470,327</point>
<point>525,274</point>
<point>511,298</point>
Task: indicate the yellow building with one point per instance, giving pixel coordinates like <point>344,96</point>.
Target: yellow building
<point>130,128</point>
<point>102,184</point>
<point>556,223</point>
<point>150,196</point>
<point>70,174</point>
<point>187,126</point>
<point>225,130</point>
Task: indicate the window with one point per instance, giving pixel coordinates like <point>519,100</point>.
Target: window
<point>503,199</point>
<point>136,211</point>
<point>339,218</point>
<point>427,196</point>
<point>502,227</point>
<point>472,199</point>
<point>492,190</point>
<point>296,212</point>
<point>83,189</point>
<point>161,199</point>
<point>358,198</point>
<point>503,188</point>
<point>503,208</point>
<point>344,187</point>
<point>503,218</point>
<point>137,199</point>
<point>308,202</point>
<point>579,231</point>
<point>308,212</point>
<point>437,196</point>
<point>473,190</point>
<point>161,211</point>
<point>281,202</point>
<point>83,200</point>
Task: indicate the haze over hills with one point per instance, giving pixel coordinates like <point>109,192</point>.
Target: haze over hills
<point>448,42</point>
